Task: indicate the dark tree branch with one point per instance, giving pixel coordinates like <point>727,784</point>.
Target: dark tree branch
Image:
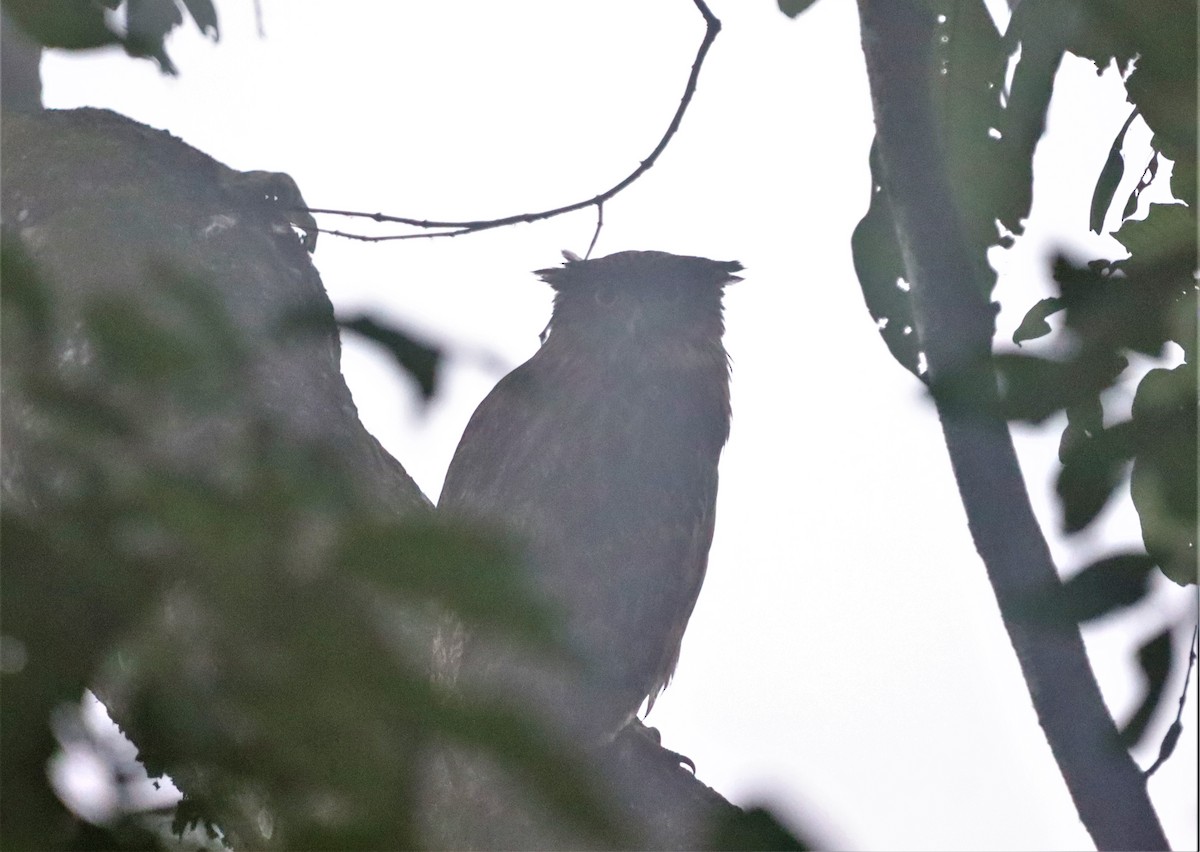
<point>458,228</point>
<point>955,322</point>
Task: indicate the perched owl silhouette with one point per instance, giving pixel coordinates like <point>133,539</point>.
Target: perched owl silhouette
<point>600,454</point>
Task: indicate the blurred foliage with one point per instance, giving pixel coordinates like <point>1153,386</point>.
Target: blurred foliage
<point>1143,304</point>
<point>229,613</point>
<point>757,828</point>
<point>80,25</point>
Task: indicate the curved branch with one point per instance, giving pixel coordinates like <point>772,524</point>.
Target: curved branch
<point>955,323</point>
<point>458,228</point>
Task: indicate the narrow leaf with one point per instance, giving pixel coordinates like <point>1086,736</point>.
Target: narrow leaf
<point>1155,660</point>
<point>419,360</point>
<point>1110,178</point>
<point>1107,585</point>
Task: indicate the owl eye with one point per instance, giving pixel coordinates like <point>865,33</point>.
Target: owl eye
<point>605,297</point>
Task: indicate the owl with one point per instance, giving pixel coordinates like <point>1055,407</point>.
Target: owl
<point>600,455</point>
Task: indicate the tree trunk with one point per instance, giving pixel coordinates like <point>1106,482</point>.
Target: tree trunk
<point>954,321</point>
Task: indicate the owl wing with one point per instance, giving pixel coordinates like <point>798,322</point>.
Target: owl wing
<point>614,496</point>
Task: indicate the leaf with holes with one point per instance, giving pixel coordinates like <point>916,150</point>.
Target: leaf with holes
<point>880,267</point>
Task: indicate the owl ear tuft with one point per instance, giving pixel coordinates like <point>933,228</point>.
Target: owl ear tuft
<point>729,267</point>
<point>555,276</point>
<point>560,276</point>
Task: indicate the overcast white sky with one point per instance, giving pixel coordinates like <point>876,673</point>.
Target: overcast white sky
<point>846,662</point>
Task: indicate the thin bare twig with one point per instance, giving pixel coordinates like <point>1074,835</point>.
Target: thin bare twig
<point>458,228</point>
<point>599,225</point>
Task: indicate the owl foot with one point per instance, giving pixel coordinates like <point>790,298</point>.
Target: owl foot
<point>639,741</point>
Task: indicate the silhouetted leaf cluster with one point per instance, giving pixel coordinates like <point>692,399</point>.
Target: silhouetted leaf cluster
<point>1112,308</point>
<point>1142,304</point>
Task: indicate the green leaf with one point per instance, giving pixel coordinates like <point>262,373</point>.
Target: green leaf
<point>132,346</point>
<point>205,16</point>
<point>147,25</point>
<point>1034,324</point>
<point>1155,660</point>
<point>1033,388</point>
<point>1085,420</point>
<point>1163,82</point>
<point>1183,182</point>
<point>548,766</point>
<point>474,570</point>
<point>198,312</point>
<point>26,302</point>
<point>1141,308</point>
<point>1037,31</point>
<point>1164,476</point>
<point>63,23</point>
<point>1167,229</point>
<point>1106,585</point>
<point>1092,469</point>
<point>880,268</point>
<point>419,360</point>
<point>1110,178</point>
<point>84,412</point>
<point>1095,30</point>
<point>792,8</point>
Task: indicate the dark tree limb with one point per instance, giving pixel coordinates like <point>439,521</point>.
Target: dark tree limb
<point>955,320</point>
<point>153,197</point>
<point>459,228</point>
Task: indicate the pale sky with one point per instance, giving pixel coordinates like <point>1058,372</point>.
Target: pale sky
<point>846,663</point>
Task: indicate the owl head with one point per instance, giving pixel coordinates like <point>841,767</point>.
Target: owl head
<point>636,293</point>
